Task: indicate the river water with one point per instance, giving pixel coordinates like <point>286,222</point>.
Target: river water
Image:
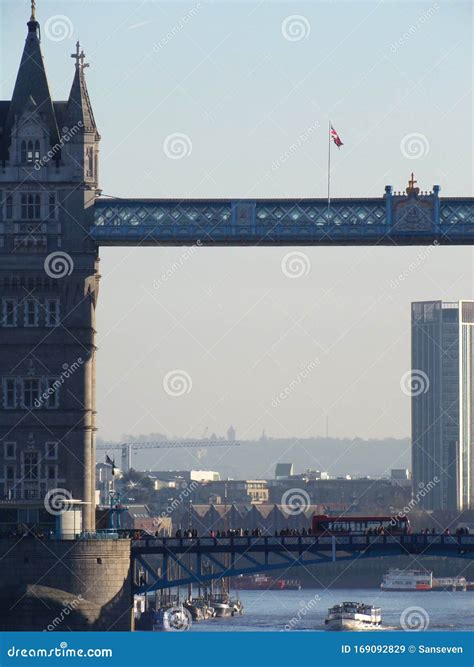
<point>306,610</point>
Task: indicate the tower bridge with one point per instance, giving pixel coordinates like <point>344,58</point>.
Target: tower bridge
<point>53,221</point>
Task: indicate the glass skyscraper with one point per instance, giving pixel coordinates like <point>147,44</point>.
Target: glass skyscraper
<point>442,403</point>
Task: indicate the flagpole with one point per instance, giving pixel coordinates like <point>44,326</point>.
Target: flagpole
<point>329,166</point>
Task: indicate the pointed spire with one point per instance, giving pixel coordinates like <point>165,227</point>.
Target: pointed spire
<point>79,108</point>
<point>31,86</point>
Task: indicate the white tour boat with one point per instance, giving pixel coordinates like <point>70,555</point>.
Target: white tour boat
<point>354,616</point>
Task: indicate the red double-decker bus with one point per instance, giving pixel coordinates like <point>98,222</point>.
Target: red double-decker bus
<point>359,525</point>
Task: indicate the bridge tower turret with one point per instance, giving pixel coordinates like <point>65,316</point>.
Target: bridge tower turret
<point>48,289</point>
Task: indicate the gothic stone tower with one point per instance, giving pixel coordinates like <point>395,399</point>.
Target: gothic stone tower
<point>48,287</point>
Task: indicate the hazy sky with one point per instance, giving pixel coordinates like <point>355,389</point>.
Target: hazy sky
<point>244,81</point>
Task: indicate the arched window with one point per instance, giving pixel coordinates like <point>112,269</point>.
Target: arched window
<point>23,152</point>
<point>37,150</point>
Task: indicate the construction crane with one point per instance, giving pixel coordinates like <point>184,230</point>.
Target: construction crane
<point>126,447</point>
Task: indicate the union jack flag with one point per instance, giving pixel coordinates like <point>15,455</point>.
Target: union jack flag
<point>336,138</point>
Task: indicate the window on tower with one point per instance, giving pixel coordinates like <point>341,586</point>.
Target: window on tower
<point>52,392</point>
<point>9,312</point>
<point>9,450</point>
<point>30,392</point>
<point>9,207</point>
<point>52,206</point>
<point>30,207</point>
<point>9,393</point>
<point>30,465</point>
<point>51,450</point>
<point>52,312</point>
<point>90,161</point>
<point>31,313</point>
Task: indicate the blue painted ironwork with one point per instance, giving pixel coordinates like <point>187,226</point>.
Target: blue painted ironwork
<point>402,218</point>
<point>248,555</point>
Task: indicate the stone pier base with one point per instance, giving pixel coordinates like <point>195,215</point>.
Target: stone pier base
<point>65,585</point>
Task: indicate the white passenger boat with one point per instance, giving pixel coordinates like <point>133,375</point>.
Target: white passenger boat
<point>353,616</point>
<point>407,580</point>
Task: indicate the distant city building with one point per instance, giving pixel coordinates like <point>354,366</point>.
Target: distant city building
<point>231,434</point>
<point>442,403</point>
<point>315,474</point>
<point>141,517</point>
<point>232,491</point>
<point>283,470</point>
<point>400,474</point>
<point>177,477</point>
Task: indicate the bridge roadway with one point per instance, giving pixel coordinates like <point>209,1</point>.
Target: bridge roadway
<point>231,556</point>
<point>404,218</point>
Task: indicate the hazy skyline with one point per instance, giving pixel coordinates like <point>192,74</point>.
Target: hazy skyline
<point>253,102</point>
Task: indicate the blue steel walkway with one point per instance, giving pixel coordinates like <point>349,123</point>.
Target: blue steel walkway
<point>404,218</point>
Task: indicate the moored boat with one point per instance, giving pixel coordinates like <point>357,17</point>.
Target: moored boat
<point>421,580</point>
<point>262,582</point>
<point>221,605</point>
<point>407,580</point>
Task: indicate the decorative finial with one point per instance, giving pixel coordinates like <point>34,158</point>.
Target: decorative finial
<point>411,190</point>
<point>79,57</point>
<point>33,10</point>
